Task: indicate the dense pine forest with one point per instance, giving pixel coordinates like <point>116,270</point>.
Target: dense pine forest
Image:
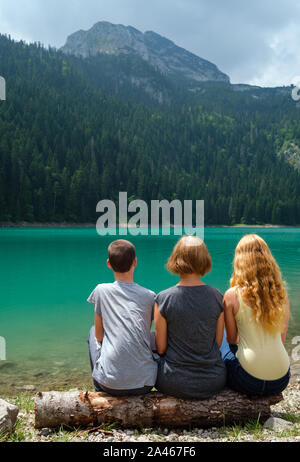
<point>75,131</point>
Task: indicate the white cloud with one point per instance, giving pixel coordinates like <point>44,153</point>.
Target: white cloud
<point>284,64</point>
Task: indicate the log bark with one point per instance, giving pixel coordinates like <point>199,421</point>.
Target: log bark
<point>53,409</point>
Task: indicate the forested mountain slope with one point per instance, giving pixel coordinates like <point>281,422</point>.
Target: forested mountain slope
<point>68,141</point>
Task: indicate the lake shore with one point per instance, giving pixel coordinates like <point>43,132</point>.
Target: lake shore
<point>14,379</point>
<point>56,225</point>
<point>47,225</point>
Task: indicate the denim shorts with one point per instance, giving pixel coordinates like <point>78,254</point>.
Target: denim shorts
<point>239,380</point>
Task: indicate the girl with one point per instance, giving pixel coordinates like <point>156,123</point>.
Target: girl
<point>256,318</point>
<point>189,326</point>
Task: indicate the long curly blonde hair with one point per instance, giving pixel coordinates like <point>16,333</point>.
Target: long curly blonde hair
<point>258,275</point>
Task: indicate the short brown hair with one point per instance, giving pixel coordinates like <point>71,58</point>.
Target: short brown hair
<point>121,255</point>
<point>190,256</point>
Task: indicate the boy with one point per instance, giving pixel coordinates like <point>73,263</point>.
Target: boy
<point>119,343</point>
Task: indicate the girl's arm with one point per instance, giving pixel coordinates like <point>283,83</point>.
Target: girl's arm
<point>231,305</point>
<point>220,330</point>
<point>161,331</point>
<point>286,323</point>
<point>99,330</point>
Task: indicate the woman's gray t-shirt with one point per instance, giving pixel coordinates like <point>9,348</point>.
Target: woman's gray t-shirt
<point>126,360</point>
<point>192,366</point>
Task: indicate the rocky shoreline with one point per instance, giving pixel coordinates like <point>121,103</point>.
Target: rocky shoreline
<point>14,377</point>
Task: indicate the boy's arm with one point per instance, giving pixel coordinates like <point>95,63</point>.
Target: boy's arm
<point>99,330</point>
<point>94,299</point>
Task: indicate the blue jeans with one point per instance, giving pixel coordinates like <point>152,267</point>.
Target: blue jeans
<point>95,353</point>
<point>239,380</point>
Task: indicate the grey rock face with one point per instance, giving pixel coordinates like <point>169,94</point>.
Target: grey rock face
<point>277,425</point>
<point>161,53</point>
<point>291,153</point>
<point>8,416</point>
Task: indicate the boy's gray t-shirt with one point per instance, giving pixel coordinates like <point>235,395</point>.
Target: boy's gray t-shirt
<point>126,360</point>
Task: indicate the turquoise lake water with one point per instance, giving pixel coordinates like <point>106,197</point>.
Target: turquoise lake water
<point>46,276</point>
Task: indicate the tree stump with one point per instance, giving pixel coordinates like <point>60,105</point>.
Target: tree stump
<point>74,408</point>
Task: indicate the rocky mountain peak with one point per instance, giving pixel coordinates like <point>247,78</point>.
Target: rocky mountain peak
<point>158,51</point>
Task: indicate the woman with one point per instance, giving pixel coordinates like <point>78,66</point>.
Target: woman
<point>256,319</point>
<point>189,327</point>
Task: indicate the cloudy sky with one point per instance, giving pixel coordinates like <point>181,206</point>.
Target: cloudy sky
<point>253,41</point>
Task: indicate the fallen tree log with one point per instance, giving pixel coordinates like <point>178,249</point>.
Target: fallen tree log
<point>74,408</point>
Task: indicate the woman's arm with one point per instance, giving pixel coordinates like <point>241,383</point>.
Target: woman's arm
<point>99,330</point>
<point>220,330</point>
<point>286,323</point>
<point>231,305</point>
<point>161,331</point>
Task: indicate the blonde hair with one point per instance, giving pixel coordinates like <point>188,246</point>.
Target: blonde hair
<point>258,275</point>
<point>190,256</point>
